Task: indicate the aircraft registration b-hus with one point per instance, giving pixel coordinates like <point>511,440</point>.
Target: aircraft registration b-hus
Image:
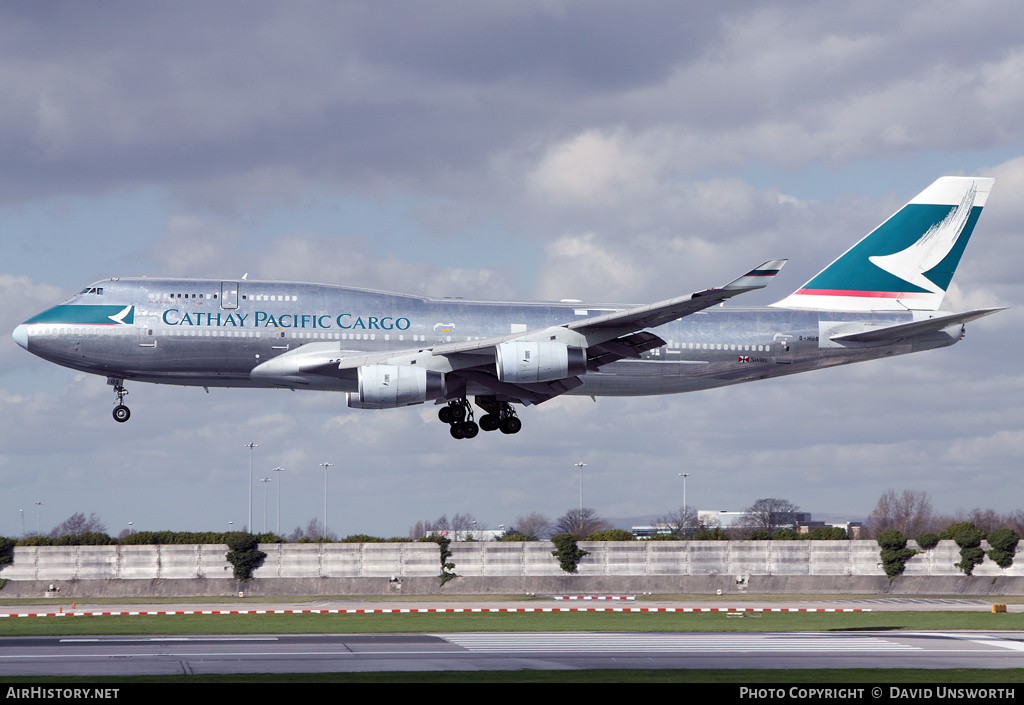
<point>388,350</point>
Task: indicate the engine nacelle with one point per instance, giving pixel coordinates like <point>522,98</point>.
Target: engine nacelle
<point>523,361</point>
<point>390,386</point>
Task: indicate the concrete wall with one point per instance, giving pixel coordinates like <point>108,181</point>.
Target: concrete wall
<point>509,567</point>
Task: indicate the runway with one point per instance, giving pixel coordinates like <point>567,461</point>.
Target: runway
<point>454,651</point>
<point>146,655</point>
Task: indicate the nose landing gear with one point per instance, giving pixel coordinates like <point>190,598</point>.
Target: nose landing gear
<point>121,412</point>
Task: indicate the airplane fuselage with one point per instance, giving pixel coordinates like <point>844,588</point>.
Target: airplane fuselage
<point>217,333</point>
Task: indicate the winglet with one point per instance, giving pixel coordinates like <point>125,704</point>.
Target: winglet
<point>757,278</point>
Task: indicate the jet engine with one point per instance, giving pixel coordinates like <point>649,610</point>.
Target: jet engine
<point>523,362</point>
<point>390,386</point>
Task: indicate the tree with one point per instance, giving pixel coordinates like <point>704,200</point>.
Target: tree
<point>567,551</point>
<point>910,513</point>
<point>895,553</point>
<point>770,514</point>
<point>683,521</point>
<point>1004,544</point>
<point>457,529</point>
<point>78,524</point>
<point>243,554</point>
<point>462,526</point>
<point>971,553</point>
<point>447,567</point>
<point>534,526</point>
<point>611,535</point>
<point>312,533</point>
<point>580,522</point>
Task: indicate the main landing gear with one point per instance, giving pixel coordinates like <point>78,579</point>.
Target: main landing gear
<point>121,412</point>
<point>459,415</point>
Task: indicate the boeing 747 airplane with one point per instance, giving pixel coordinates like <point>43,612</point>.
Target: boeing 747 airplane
<point>387,350</point>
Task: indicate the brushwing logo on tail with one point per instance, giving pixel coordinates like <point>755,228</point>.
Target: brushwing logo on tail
<point>911,264</point>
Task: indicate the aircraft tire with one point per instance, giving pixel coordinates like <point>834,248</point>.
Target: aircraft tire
<point>511,425</point>
<point>489,422</point>
<point>470,429</point>
<point>456,431</point>
<point>121,413</point>
<point>445,414</point>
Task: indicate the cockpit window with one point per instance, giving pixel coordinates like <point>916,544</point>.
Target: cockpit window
<point>93,290</point>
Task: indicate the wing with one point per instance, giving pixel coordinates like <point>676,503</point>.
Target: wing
<point>529,367</point>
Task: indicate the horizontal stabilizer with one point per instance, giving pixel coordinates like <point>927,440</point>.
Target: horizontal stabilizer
<point>890,334</point>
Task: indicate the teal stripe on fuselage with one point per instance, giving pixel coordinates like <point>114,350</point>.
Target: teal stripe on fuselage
<point>83,314</point>
<point>854,272</point>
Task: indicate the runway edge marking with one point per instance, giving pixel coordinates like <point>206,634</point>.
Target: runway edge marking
<point>434,610</point>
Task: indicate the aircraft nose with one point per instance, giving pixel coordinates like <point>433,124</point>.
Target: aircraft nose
<point>20,335</point>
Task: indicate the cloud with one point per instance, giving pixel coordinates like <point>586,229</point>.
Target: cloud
<point>544,150</point>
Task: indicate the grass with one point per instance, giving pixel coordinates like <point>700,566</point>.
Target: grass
<point>505,622</point>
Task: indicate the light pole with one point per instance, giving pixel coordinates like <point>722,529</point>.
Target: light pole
<point>325,466</point>
<point>278,501</point>
<point>265,480</point>
<point>684,475</point>
<point>581,466</point>
<point>250,446</point>
<point>39,509</point>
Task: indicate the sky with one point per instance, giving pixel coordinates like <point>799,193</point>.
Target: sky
<point>523,150</point>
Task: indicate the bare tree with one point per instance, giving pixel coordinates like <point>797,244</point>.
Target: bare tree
<point>910,513</point>
<point>1015,521</point>
<point>457,528</point>
<point>580,522</point>
<point>535,526</point>
<point>77,524</point>
<point>770,514</point>
<point>987,520</point>
<point>313,532</point>
<point>683,521</point>
<point>462,525</point>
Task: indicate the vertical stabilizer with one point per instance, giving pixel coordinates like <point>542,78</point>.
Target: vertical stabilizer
<point>907,262</point>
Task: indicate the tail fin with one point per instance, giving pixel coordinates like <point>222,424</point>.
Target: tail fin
<point>908,261</point>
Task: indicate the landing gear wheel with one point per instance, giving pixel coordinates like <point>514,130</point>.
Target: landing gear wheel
<point>459,414</point>
<point>121,412</point>
<point>489,422</point>
<point>511,425</point>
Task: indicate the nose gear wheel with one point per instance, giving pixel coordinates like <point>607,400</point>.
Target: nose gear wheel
<point>121,412</point>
